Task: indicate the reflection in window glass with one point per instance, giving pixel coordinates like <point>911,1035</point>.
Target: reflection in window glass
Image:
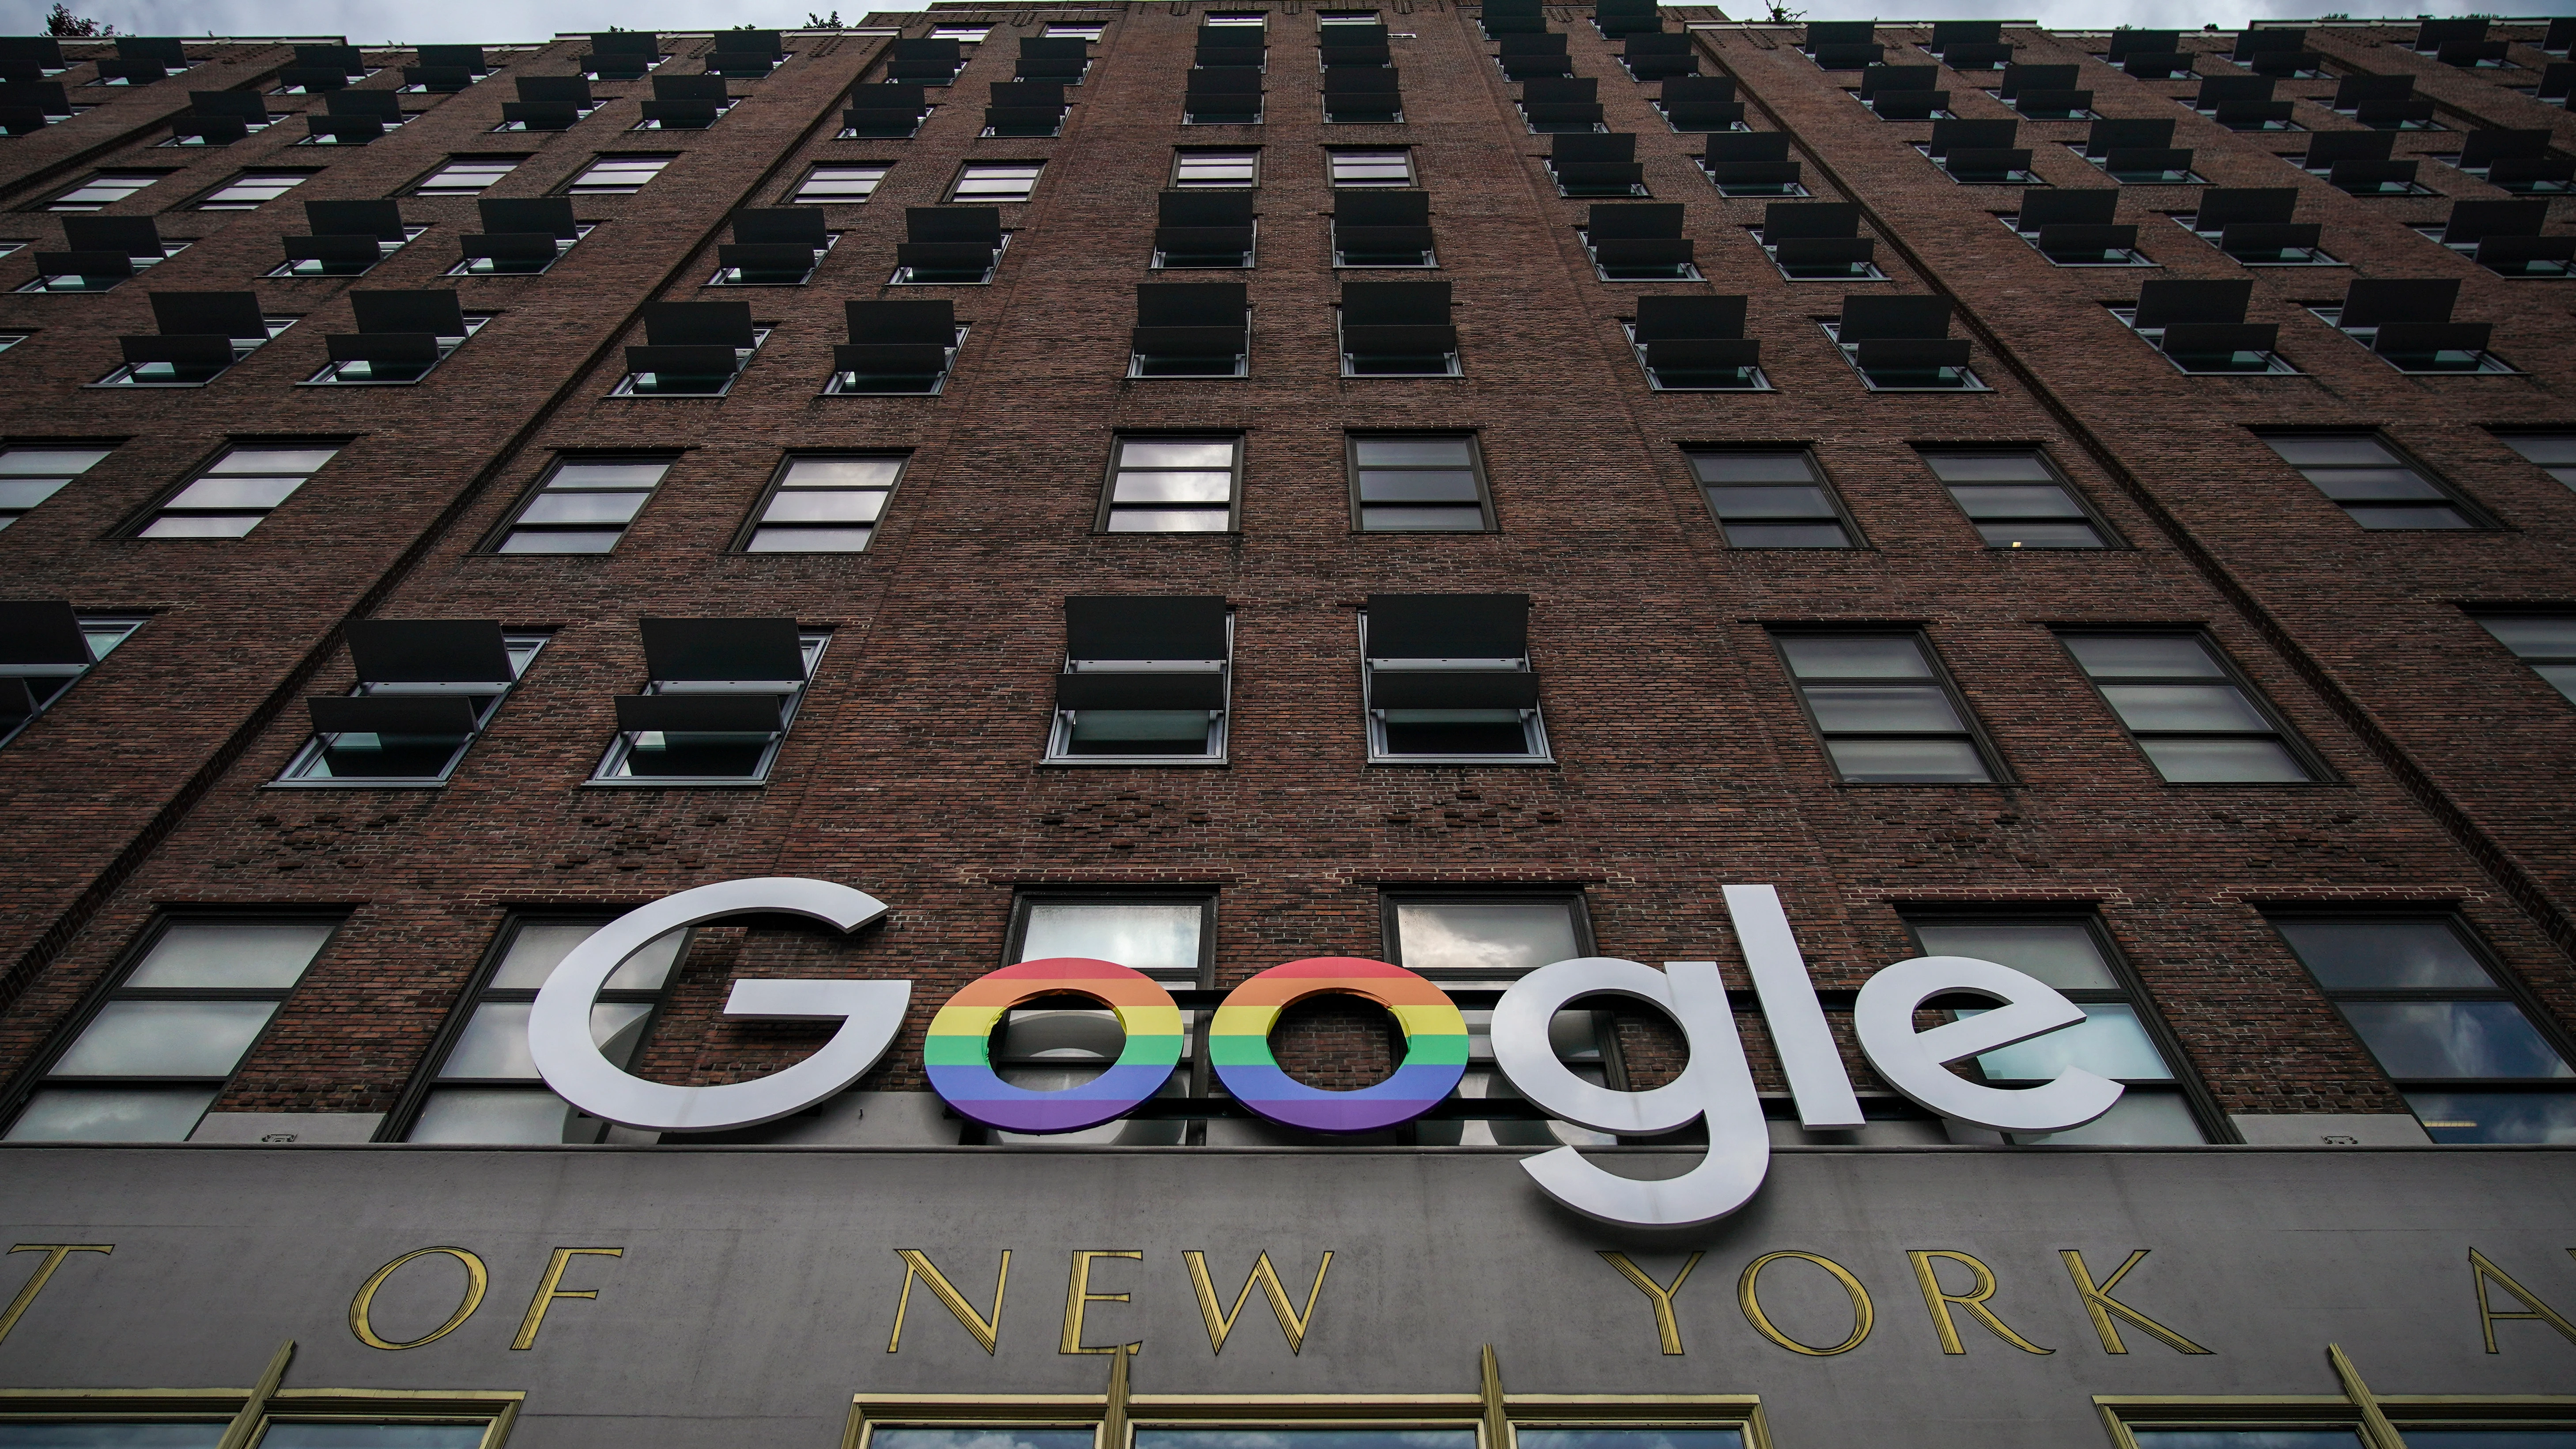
<point>294,1434</point>
<point>29,476</point>
<point>2015,500</point>
<point>1159,938</point>
<point>1629,1438</point>
<point>2546,642</point>
<point>1418,484</point>
<point>997,181</point>
<point>1173,485</point>
<point>2369,481</point>
<point>1771,499</point>
<point>618,175</point>
<point>1305,1439</point>
<point>2186,709</point>
<point>95,1435</point>
<point>584,505</point>
<point>825,505</point>
<point>1499,939</point>
<point>995,1436</point>
<point>1885,716</point>
<point>2247,1438</point>
<point>235,492</point>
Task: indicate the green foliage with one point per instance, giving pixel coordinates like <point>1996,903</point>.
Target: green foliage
<point>61,21</point>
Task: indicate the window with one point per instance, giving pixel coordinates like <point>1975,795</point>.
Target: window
<point>1818,241</point>
<point>962,34</point>
<point>400,337</point>
<point>1484,942</point>
<point>482,1086</point>
<point>2371,483</point>
<point>996,181</point>
<point>2546,642</point>
<point>231,496</point>
<point>583,506</point>
<point>100,252</point>
<point>1168,936</point>
<point>2474,1062</point>
<point>149,1061</point>
<point>2407,324</point>
<point>2201,330</point>
<point>1398,329</point>
<point>103,189</point>
<point>840,185</point>
<point>1199,329</point>
<point>773,247</point>
<point>1754,164</point>
<point>690,349</point>
<point>1374,166</point>
<point>1419,483</point>
<point>1076,32</point>
<point>1383,229</point>
<point>294,1419</point>
<point>1161,484</point>
<point>1885,709</point>
<point>1903,344</point>
<point>467,175</point>
<point>617,175</point>
<point>426,688</point>
<point>717,705</point>
<point>1446,678</point>
<point>1145,681</point>
<point>2199,722</point>
<point>824,503</point>
<point>1197,167</point>
<point>896,348</point>
<point>2119,1038</point>
<point>1678,1421</point>
<point>1639,242</point>
<point>1772,498</point>
<point>2555,453</point>
<point>202,334</point>
<point>1695,344</point>
<point>251,189</point>
<point>1204,228</point>
<point>29,476</point>
<point>949,246</point>
<point>2451,1421</point>
<point>2017,500</point>
<point>47,648</point>
<point>2074,228</point>
<point>521,237</point>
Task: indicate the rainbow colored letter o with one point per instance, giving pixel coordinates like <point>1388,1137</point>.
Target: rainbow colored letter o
<point>1435,1045</point>
<point>959,1052</point>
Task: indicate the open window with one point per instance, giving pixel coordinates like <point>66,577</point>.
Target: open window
<point>1753,164</point>
<point>202,335</point>
<point>1145,681</point>
<point>1904,92</point>
<point>932,60</point>
<point>1363,95</point>
<point>2519,161</point>
<point>347,240</point>
<point>1203,229</point>
<point>400,337</point>
<point>2282,53</point>
<point>896,348</point>
<point>425,689</point>
<point>101,251</point>
<point>1191,329</point>
<point>445,69</point>
<point>1980,153</point>
<point>1700,103</point>
<point>773,247</point>
<point>685,103</point>
<point>1598,164</point>
<point>2384,102</point>
<point>1692,343</point>
<point>2200,327</point>
<point>2138,151</point>
<point>1224,89</point>
<point>1639,242</point>
<point>717,702</point>
<point>891,109</point>
<point>2252,225</point>
<point>45,647</point>
<point>2362,163</point>
<point>1903,344</point>
<point>2504,237</point>
<point>1398,329</point>
<point>2407,324</point>
<point>2074,227</point>
<point>1059,58</point>
<point>622,55</point>
<point>1446,679</point>
<point>1025,108</point>
<point>2046,93</point>
<point>2244,103</point>
<point>1556,105</point>
<point>1383,229</point>
<point>213,118</point>
<point>1533,56</point>
<point>1818,241</point>
<point>548,103</point>
<point>354,118</point>
<point>949,246</point>
<point>691,349</point>
<point>1658,54</point>
<point>1512,17</point>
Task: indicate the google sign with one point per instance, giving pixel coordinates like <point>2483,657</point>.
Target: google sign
<point>1716,1087</point>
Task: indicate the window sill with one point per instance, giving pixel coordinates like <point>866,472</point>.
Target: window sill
<point>360,784</point>
<point>1542,761</point>
<point>1134,762</point>
<point>676,782</point>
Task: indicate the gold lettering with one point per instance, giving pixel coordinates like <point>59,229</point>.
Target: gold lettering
<point>1220,1324</point>
<point>2099,1303</point>
<point>1078,1298</point>
<point>551,1288</point>
<point>1668,1330</point>
<point>476,1280</point>
<point>2483,1272</point>
<point>917,1264</point>
<point>1863,1315</point>
<point>35,1284</point>
<point>1974,1300</point>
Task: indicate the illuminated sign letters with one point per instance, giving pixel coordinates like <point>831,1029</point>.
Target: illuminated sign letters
<point>1716,1087</point>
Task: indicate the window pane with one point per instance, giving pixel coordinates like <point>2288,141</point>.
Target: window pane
<point>1919,762</point>
<point>2007,501</point>
<point>2059,955</point>
<point>1631,1438</point>
<point>2562,677</point>
<point>1419,486</point>
<point>836,472</point>
<point>1787,535</point>
<point>2384,955</point>
<point>2184,707</point>
<point>560,542</point>
<point>1988,467</point>
<point>1752,468</point>
<point>495,1041</point>
<point>1485,938</point>
<point>53,463</point>
<point>2532,636</point>
<point>202,527</point>
<point>1167,520</point>
<point>2248,1438</point>
<point>552,507</point>
<point>1305,1439</point>
<point>1828,656</point>
<point>273,460</point>
<point>135,1114</point>
<point>989,1437</point>
<point>2039,535</point>
<point>1879,707</point>
<point>112,1436</point>
<point>2137,656</point>
<point>2543,448</point>
<point>818,505</point>
<point>1155,937</point>
<point>294,1435</point>
<point>2353,485</point>
<point>2152,1119</point>
<point>2186,761</point>
<point>2109,1042</point>
<point>235,493</point>
<point>1735,503</point>
<point>500,1114</point>
<point>1176,453</point>
<point>229,954</point>
<point>2454,1039</point>
<point>1174,487</point>
<point>1411,452</point>
<point>2346,449</point>
<point>1374,519</point>
<point>166,1039</point>
<point>2488,1117</point>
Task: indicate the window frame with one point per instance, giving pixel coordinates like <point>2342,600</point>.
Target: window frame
<point>2506,985</point>
<point>2120,1413</point>
<point>1972,728</point>
<point>950,194</point>
<point>572,186</point>
<point>455,159</point>
<point>1412,174</point>
<point>54,201</point>
<point>152,512</point>
<point>2319,772</point>
<point>38,1072</point>
<point>1854,540</point>
<point>1109,483</point>
<point>401,1120</point>
<point>815,643</point>
<point>750,530</point>
<point>743,358</point>
<point>2110,538</point>
<point>2479,519</point>
<point>1175,182</point>
<point>2483,361</point>
<point>509,523</point>
<point>329,376</point>
<point>2128,989</point>
<point>206,200</point>
<point>796,194</point>
<point>2273,363</point>
<point>313,748</point>
<point>1533,722</point>
<point>2562,473</point>
<point>1968,381</point>
<point>499,1408</point>
<point>1351,439</point>
<point>1390,898</point>
<point>1216,744</point>
<point>1024,899</point>
<point>1742,1413</point>
<point>129,374</point>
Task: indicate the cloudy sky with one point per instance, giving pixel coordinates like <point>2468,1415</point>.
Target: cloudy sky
<point>368,22</point>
